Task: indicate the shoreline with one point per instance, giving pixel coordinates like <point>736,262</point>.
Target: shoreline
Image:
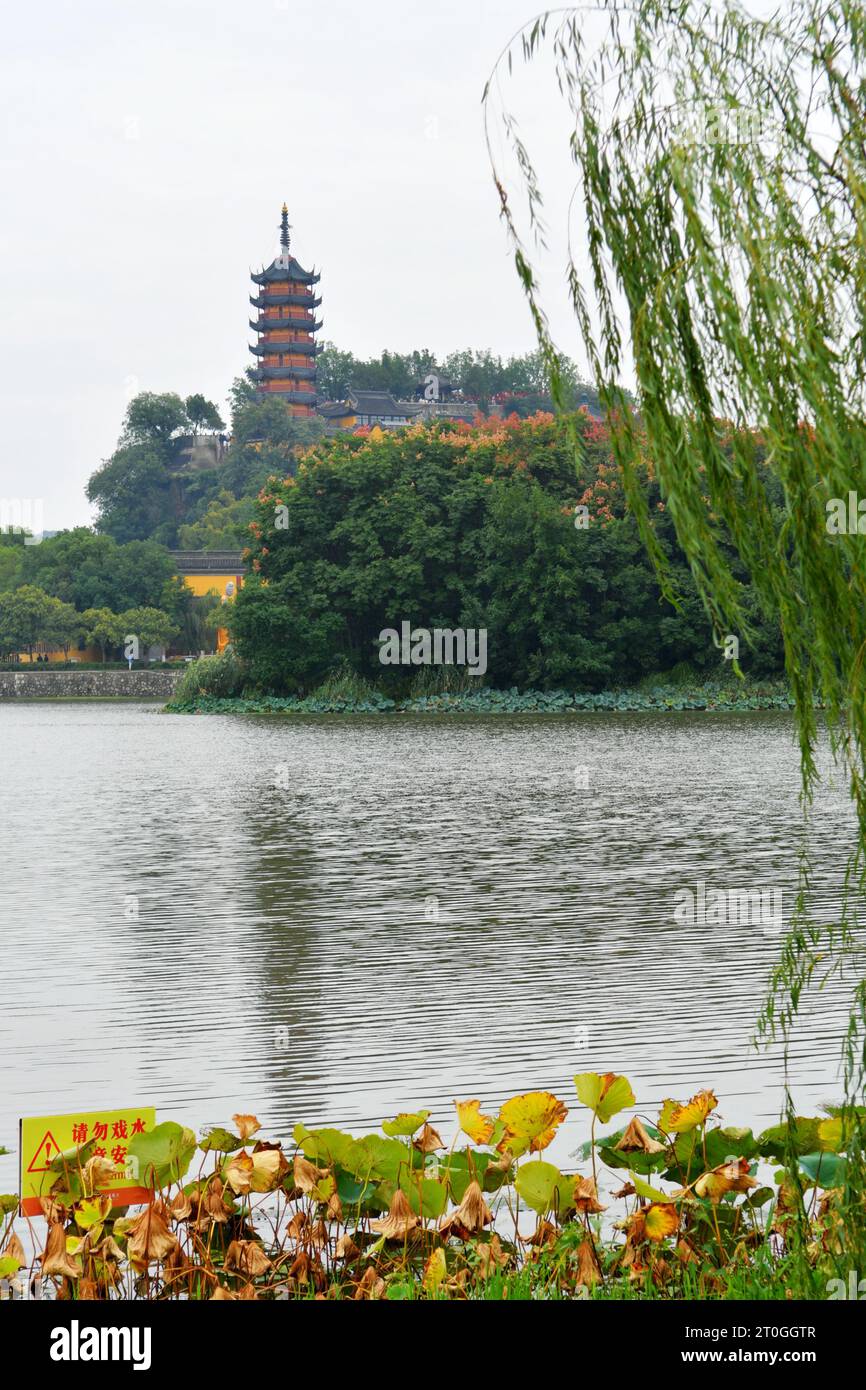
<point>661,699</point>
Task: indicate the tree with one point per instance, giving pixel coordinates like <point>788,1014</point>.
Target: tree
<point>63,625</point>
<point>266,438</point>
<point>241,392</point>
<point>140,491</point>
<point>103,629</point>
<point>202,414</point>
<point>91,570</point>
<point>151,626</point>
<point>153,418</point>
<point>722,231</point>
<point>25,616</point>
<point>223,526</point>
<point>335,372</point>
<point>134,494</point>
<point>10,565</point>
<point>203,615</point>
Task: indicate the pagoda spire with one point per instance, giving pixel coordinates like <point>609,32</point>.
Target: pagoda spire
<point>284,230</point>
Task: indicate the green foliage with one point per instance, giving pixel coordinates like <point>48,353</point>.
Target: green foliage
<point>154,418</point>
<point>94,571</point>
<point>266,438</point>
<point>480,376</point>
<point>133,493</point>
<point>222,526</point>
<point>211,677</point>
<point>162,1155</point>
<point>462,527</point>
<point>28,615</point>
<point>139,491</point>
<point>102,628</point>
<point>10,563</point>
<point>200,412</point>
<point>151,626</point>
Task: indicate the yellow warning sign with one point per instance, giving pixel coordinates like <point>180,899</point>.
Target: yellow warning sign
<point>54,1149</point>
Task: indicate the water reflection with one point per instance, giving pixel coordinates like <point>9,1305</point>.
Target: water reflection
<point>213,913</point>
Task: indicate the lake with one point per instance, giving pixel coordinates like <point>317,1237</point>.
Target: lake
<point>211,914</point>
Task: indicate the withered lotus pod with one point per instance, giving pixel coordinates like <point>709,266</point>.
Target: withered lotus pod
<point>490,1256</point>
<point>97,1173</point>
<point>297,1225</point>
<point>213,1205</point>
<point>180,1206</point>
<point>307,1269</point>
<point>544,1235</point>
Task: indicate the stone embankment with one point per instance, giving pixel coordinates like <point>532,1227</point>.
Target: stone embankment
<point>88,685</point>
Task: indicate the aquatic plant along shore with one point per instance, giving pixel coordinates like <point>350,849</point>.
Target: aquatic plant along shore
<point>408,1214</point>
<point>710,697</point>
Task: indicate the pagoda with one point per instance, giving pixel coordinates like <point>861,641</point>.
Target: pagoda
<point>286,349</point>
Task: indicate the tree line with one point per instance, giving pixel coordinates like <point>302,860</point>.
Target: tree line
<point>82,586</point>
<point>30,617</point>
<point>519,382</point>
<point>145,490</point>
<point>456,526</point>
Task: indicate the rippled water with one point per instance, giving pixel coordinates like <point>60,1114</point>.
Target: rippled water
<point>281,961</point>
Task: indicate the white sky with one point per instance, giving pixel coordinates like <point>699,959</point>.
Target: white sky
<point>146,148</point>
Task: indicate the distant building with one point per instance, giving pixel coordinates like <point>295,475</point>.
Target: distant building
<point>286,348</point>
<point>368,408</point>
<point>219,572</point>
<point>381,408</point>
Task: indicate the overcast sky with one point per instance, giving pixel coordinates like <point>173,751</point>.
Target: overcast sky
<point>146,149</point>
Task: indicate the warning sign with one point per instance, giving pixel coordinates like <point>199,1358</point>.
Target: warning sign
<point>55,1148</point>
<point>48,1149</point>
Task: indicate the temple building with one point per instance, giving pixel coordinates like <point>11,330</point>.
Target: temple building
<point>286,349</point>
<point>219,573</point>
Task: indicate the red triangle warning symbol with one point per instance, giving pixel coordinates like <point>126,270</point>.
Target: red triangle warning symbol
<point>48,1150</point>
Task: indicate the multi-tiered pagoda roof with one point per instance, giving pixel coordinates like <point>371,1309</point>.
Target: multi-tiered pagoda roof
<point>286,348</point>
